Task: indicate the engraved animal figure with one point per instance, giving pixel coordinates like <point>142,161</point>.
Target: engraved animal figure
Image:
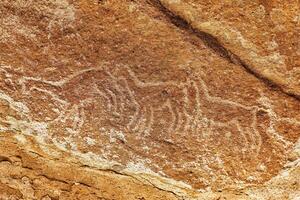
<point>123,96</point>
<point>147,107</point>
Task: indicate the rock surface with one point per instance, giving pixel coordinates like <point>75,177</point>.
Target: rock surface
<point>261,35</point>
<point>170,99</point>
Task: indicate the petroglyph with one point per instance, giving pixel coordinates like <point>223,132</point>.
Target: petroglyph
<point>146,99</point>
<point>152,110</point>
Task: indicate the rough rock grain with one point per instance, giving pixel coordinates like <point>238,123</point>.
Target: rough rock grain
<point>149,100</point>
<point>262,36</point>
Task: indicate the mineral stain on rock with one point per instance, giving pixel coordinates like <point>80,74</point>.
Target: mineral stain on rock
<point>151,95</point>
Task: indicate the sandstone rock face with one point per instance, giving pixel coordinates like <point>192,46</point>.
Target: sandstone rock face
<point>170,99</point>
<point>261,35</point>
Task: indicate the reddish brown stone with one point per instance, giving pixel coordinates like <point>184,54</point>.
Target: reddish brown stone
<point>157,98</point>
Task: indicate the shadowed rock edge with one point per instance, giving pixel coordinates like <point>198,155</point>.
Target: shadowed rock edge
<point>213,43</point>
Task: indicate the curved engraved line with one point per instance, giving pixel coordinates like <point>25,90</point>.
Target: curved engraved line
<point>76,117</point>
<point>137,106</point>
<point>114,100</point>
<point>150,121</point>
<point>235,123</point>
<point>81,120</point>
<point>118,88</point>
<point>102,94</point>
<point>180,120</point>
<point>138,123</point>
<point>20,107</point>
<point>273,118</point>
<point>258,138</point>
<point>168,105</point>
<point>141,84</point>
<point>53,96</point>
<point>142,122</point>
<point>197,96</point>
<point>289,120</point>
<point>186,105</point>
<point>239,128</point>
<point>199,112</point>
<point>137,82</point>
<point>252,109</point>
<point>220,100</point>
<point>60,83</point>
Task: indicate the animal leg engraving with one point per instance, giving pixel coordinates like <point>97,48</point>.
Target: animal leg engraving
<point>105,96</point>
<point>113,98</point>
<point>172,125</point>
<point>198,112</point>
<point>118,88</point>
<point>186,105</point>
<point>251,111</point>
<point>76,115</point>
<point>142,122</point>
<point>273,119</point>
<point>150,120</point>
<point>81,119</point>
<point>257,138</point>
<point>180,122</point>
<point>134,119</point>
<point>241,131</point>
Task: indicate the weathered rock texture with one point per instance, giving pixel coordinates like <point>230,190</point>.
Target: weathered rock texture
<point>170,99</point>
<point>262,36</point>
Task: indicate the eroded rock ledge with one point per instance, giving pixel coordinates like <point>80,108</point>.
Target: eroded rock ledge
<point>149,100</point>
<point>30,170</point>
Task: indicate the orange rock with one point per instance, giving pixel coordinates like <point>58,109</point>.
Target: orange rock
<point>148,100</point>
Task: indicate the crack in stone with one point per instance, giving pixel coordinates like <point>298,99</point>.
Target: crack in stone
<point>85,167</point>
<point>133,177</point>
<point>214,44</point>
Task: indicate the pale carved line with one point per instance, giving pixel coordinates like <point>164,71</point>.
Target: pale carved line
<point>198,116</point>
